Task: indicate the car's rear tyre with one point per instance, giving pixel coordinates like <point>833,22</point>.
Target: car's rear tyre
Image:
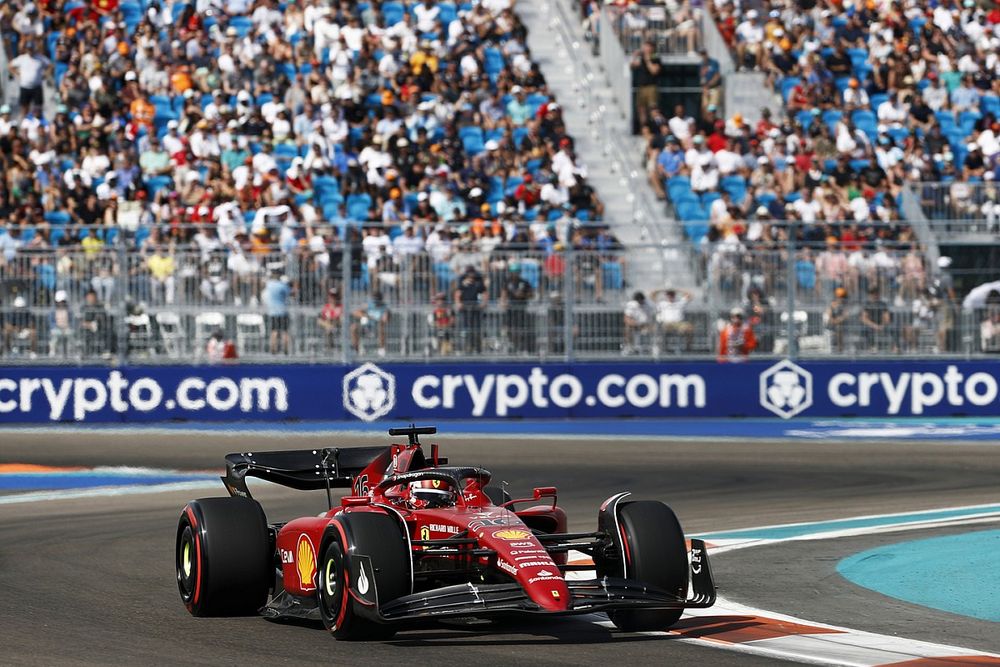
<point>223,563</point>
<point>380,538</point>
<point>656,554</point>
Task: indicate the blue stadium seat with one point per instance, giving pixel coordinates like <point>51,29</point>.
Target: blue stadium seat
<point>736,186</point>
<point>393,12</point>
<point>448,13</point>
<point>493,60</point>
<point>57,217</point>
<point>358,206</point>
<point>787,84</point>
<point>511,185</point>
<point>157,183</point>
<point>946,119</point>
<point>831,117</point>
<point>677,186</point>
<point>990,104</point>
<point>243,24</point>
<point>967,120</point>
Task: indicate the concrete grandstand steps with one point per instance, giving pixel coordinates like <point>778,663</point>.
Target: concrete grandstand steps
<point>621,185</point>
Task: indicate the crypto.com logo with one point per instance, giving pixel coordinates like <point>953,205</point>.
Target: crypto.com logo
<point>786,389</point>
<point>369,392</point>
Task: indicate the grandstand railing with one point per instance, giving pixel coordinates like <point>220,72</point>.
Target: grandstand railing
<point>547,301</point>
<point>635,24</point>
<point>960,207</point>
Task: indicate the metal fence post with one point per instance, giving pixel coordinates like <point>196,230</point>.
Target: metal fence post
<point>568,298</point>
<point>121,289</point>
<point>793,347</point>
<point>345,299</point>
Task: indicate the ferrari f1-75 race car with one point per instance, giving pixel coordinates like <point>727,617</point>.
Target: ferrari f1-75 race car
<point>418,539</point>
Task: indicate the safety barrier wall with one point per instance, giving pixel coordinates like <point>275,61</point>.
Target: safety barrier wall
<point>430,392</point>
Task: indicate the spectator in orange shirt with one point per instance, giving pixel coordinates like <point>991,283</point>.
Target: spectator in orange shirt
<point>737,340</point>
<point>142,111</point>
<point>180,80</point>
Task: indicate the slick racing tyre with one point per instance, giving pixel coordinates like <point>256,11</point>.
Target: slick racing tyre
<point>655,554</point>
<point>385,576</point>
<point>224,566</point>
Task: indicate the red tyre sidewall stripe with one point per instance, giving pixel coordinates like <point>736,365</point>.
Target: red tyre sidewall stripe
<point>347,581</point>
<point>197,555</point>
<point>628,554</point>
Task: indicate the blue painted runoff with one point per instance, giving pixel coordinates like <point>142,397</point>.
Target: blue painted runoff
<point>786,532</point>
<point>87,479</point>
<point>959,574</point>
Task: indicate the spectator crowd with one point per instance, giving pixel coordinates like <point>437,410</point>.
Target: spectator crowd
<point>189,152</point>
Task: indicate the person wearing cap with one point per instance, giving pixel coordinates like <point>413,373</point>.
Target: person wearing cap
<point>638,318</point>
<point>749,40</point>
<point>855,96</point>
<point>518,109</point>
<point>470,298</point>
<point>836,317</point>
<point>143,112</point>
<point>61,326</point>
<point>20,328</point>
<point>736,339</point>
<point>974,164</point>
<point>646,70</point>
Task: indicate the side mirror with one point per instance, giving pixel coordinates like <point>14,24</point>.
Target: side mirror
<point>544,492</point>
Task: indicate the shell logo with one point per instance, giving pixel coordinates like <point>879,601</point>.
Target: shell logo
<point>512,534</point>
<point>305,563</point>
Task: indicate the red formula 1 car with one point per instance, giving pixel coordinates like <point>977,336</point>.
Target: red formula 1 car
<point>418,539</point>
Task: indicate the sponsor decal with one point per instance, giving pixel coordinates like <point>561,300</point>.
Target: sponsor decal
<point>696,561</point>
<point>286,556</point>
<point>786,389</point>
<point>522,544</point>
<point>555,594</point>
<point>507,567</point>
<point>425,533</point>
<point>443,528</point>
<point>369,392</point>
<point>77,398</point>
<point>482,523</point>
<point>305,563</point>
<point>507,393</point>
<point>511,534</point>
<point>925,390</point>
<point>548,577</point>
<point>362,580</point>
<point>536,563</point>
<point>528,554</point>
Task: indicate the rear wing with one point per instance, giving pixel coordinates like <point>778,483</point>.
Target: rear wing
<point>302,469</point>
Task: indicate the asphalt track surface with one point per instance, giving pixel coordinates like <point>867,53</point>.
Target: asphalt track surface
<point>92,582</point>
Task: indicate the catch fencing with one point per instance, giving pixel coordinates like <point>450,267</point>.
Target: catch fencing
<point>463,294</point>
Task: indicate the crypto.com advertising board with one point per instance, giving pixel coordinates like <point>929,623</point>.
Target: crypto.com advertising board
<point>400,392</point>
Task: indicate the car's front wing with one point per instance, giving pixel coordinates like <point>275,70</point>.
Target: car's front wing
<point>586,596</point>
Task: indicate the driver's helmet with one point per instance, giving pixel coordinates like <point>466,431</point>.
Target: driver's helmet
<point>429,493</point>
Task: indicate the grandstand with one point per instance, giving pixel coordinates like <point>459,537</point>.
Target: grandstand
<point>314,180</point>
